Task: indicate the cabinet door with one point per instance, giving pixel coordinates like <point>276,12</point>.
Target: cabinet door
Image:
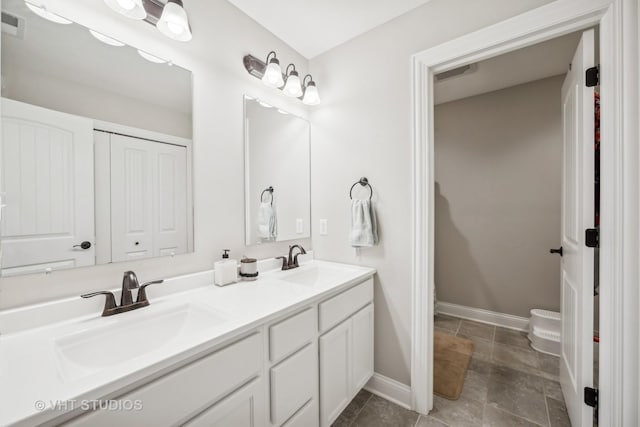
<point>335,372</point>
<point>244,408</point>
<point>293,383</point>
<point>362,336</point>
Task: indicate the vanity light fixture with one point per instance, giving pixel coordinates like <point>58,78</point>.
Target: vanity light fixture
<point>133,9</point>
<point>292,87</point>
<point>271,75</point>
<point>106,40</point>
<point>168,16</point>
<point>151,58</point>
<point>311,95</point>
<point>42,12</point>
<point>174,22</point>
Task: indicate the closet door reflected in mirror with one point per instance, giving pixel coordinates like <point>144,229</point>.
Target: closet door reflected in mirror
<point>277,174</point>
<point>95,151</point>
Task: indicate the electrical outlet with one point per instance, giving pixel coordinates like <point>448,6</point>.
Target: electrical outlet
<point>299,226</point>
<point>323,227</point>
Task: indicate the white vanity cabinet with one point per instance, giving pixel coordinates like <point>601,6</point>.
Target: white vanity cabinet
<point>209,390</point>
<point>299,370</point>
<point>346,349</point>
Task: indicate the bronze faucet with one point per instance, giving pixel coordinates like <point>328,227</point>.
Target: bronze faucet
<point>129,282</point>
<point>291,261</point>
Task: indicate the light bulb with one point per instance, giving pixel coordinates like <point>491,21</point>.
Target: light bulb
<point>106,39</point>
<point>130,8</point>
<point>174,22</point>
<point>311,95</point>
<point>126,4</point>
<point>176,29</point>
<point>293,87</point>
<point>273,74</point>
<point>42,12</point>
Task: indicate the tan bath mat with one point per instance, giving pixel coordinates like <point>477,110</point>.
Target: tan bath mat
<point>452,356</point>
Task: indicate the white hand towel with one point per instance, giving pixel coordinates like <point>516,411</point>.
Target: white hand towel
<point>364,227</point>
<point>267,221</point>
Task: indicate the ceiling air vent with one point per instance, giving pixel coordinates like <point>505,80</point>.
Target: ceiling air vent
<point>457,72</point>
<point>12,25</point>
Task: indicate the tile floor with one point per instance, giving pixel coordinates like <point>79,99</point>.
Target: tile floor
<point>508,384</point>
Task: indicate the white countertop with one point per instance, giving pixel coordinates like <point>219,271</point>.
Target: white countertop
<point>30,371</point>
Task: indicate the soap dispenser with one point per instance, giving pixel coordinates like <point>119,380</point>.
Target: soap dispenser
<point>225,271</point>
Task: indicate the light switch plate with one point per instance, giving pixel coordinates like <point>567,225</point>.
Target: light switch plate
<point>323,227</point>
<point>299,226</point>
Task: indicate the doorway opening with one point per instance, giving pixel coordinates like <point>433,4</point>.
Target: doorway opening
<point>503,196</point>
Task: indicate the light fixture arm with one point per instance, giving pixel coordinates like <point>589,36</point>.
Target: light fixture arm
<point>286,73</point>
<point>269,56</point>
<point>304,84</point>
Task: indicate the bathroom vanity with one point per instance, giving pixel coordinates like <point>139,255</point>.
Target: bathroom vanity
<point>289,349</point>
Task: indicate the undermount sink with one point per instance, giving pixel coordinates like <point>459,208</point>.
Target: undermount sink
<point>91,350</point>
<point>314,274</point>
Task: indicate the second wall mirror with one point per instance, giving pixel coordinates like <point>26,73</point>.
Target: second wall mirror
<point>277,174</point>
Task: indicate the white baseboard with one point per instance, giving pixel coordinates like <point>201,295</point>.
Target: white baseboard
<point>390,389</point>
<point>484,316</point>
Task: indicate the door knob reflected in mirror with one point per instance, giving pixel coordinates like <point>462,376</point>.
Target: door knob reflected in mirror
<point>556,251</point>
<point>84,245</point>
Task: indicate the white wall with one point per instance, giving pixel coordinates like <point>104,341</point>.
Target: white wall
<point>363,128</point>
<point>39,89</point>
<point>278,157</point>
<point>498,172</point>
<point>222,36</point>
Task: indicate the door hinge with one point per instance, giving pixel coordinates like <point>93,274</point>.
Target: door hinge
<point>592,237</point>
<point>591,397</point>
<point>592,76</point>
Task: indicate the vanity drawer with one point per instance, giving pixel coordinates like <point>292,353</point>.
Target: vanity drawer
<point>181,394</point>
<point>293,383</point>
<point>291,334</point>
<point>340,307</point>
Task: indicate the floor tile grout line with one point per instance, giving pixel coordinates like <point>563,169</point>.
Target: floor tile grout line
<point>361,409</point>
<point>521,417</point>
<point>546,404</point>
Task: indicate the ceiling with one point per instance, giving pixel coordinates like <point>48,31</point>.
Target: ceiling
<point>547,59</point>
<point>313,27</point>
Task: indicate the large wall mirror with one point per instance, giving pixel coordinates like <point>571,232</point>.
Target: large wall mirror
<point>95,151</point>
<point>277,174</point>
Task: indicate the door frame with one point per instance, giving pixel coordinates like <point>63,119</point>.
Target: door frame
<point>620,231</point>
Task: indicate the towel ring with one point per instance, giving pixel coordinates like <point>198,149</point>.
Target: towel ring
<point>270,190</point>
<point>364,182</point>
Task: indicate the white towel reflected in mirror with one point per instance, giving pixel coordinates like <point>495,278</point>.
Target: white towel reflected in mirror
<point>267,221</point>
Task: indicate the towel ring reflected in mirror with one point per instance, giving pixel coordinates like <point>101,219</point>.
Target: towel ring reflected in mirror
<point>270,190</point>
<point>364,182</point>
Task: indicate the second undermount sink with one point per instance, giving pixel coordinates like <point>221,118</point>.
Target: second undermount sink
<point>315,274</point>
<point>124,339</point>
